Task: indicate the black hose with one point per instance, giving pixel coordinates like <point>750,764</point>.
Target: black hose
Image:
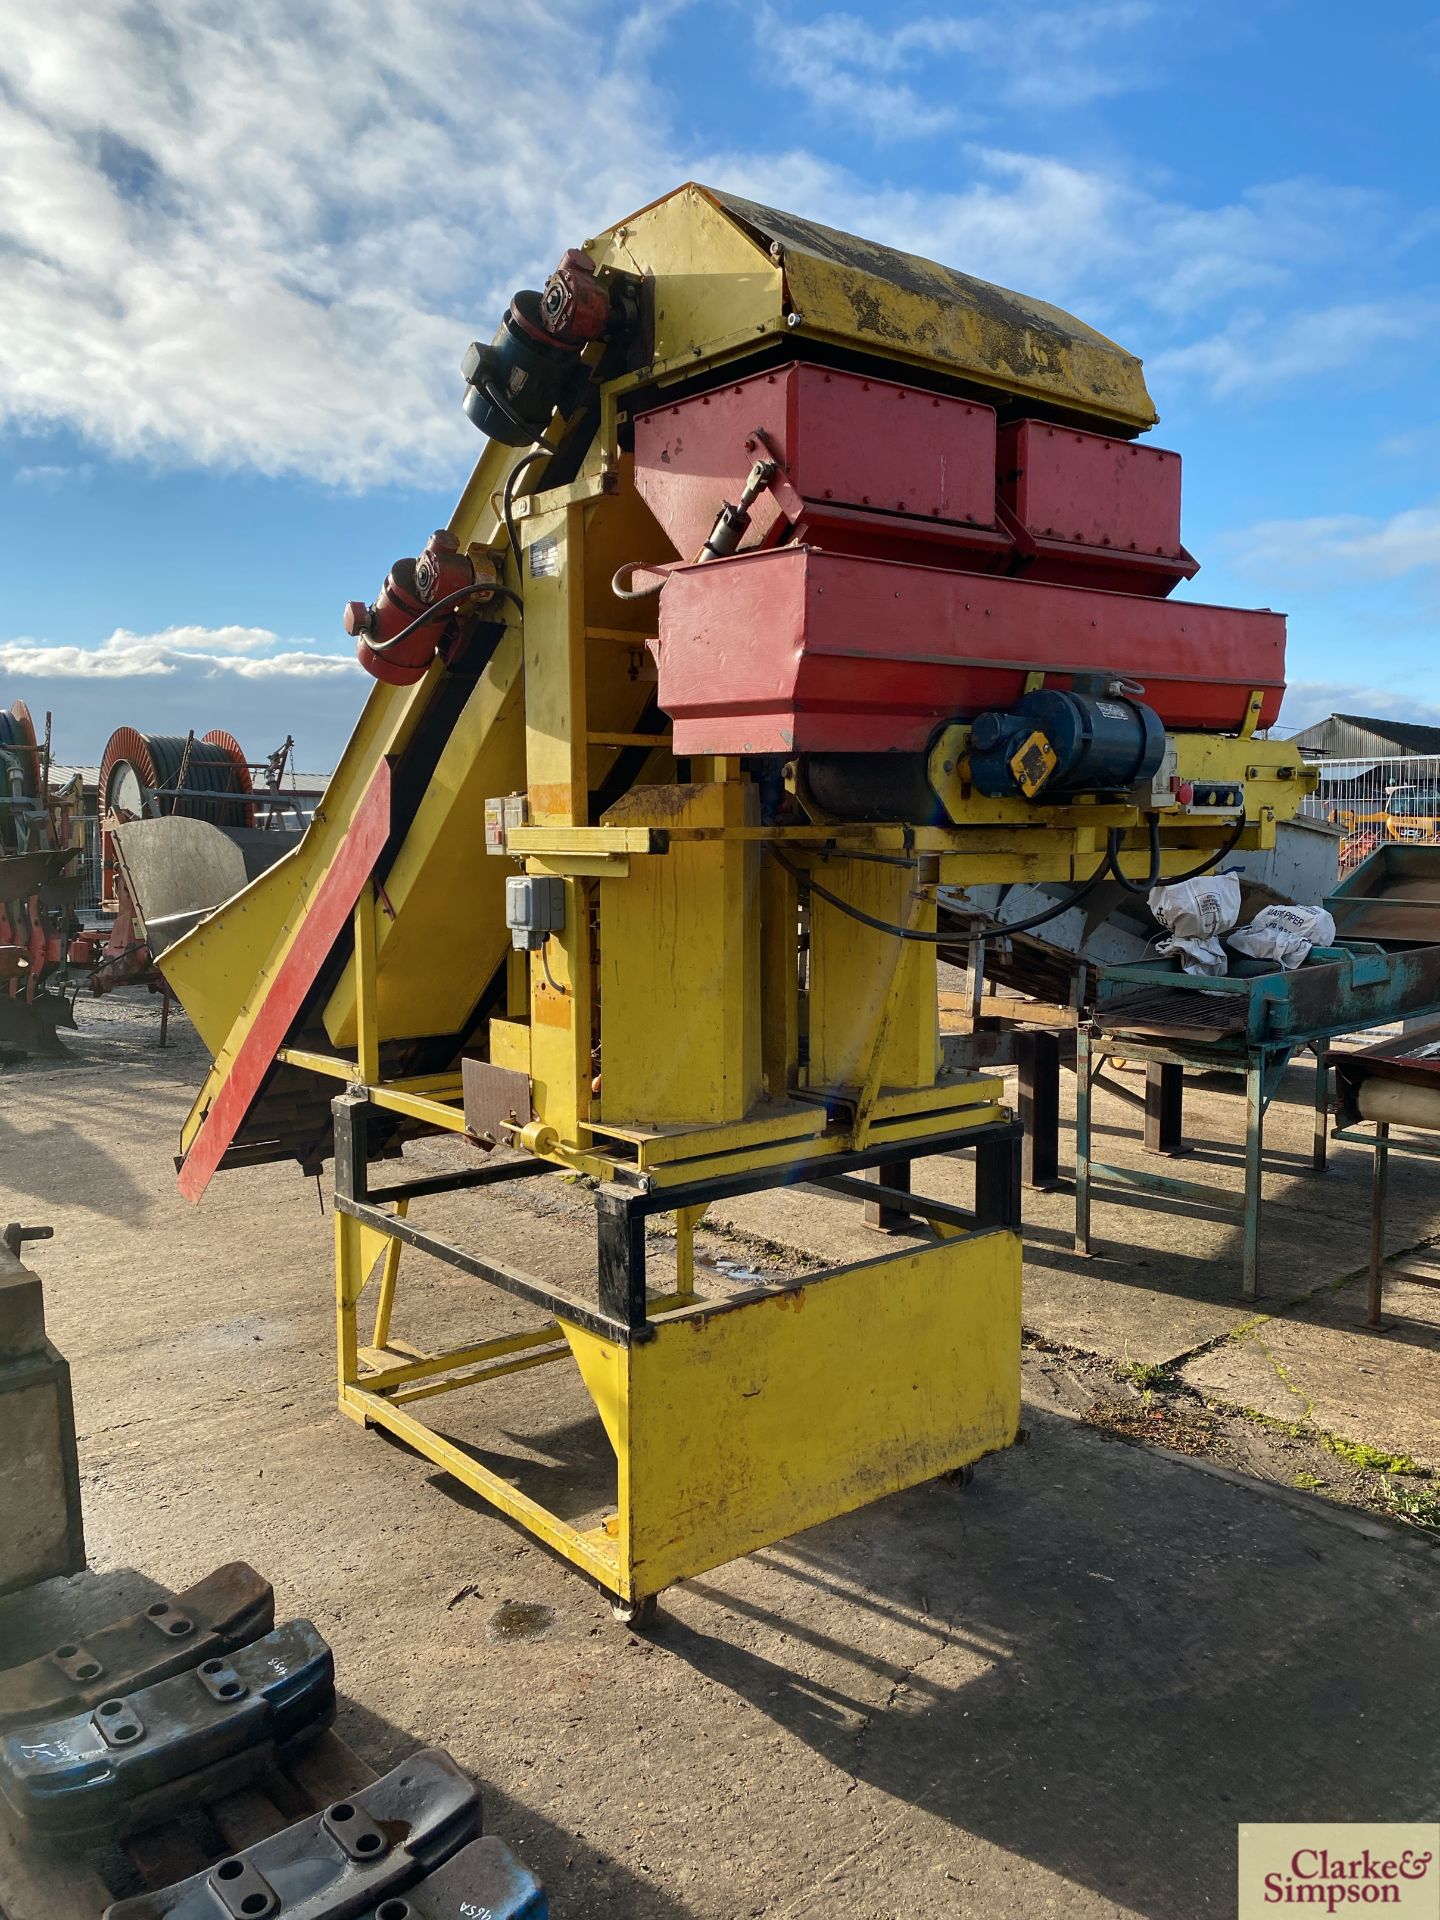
<point>1109,867</point>
<point>1081,892</point>
<point>1112,856</point>
<point>439,607</point>
<point>945,939</point>
<point>1205,865</point>
<point>507,499</point>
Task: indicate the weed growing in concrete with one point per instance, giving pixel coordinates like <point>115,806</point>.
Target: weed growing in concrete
<point>1291,1429</point>
<point>1146,1375</point>
<point>1420,1505</point>
<point>1355,1453</point>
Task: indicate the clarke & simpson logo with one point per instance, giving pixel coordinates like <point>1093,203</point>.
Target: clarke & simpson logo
<point>1336,1868</point>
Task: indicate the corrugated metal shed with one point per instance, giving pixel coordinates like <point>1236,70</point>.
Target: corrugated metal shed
<point>1354,736</point>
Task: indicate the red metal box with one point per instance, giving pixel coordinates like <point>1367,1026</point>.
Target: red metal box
<point>796,650</point>
<point>1082,501</point>
<point>846,442</point>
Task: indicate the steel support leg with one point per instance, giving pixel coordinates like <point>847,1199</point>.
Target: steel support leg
<point>975,980</point>
<point>1084,1074</point>
<point>389,1275</point>
<point>1164,1107</point>
<point>1322,1103</point>
<point>1254,1171</point>
<point>1379,1194</point>
<point>1039,1058</point>
<point>687,1219</point>
<point>997,1182</point>
<point>351,1115</point>
<point>621,1241</point>
<point>896,1174</point>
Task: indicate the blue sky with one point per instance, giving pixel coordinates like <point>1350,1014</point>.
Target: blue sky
<point>247,241</point>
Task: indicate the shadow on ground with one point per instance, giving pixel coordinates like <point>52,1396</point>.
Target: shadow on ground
<point>1106,1661</point>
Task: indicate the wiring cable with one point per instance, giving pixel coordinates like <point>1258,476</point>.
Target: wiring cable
<point>439,607</point>
<point>507,498</point>
<point>938,938</point>
<point>1205,866</point>
<point>507,514</point>
<point>1112,855</point>
<point>550,979</point>
<point>1109,868</point>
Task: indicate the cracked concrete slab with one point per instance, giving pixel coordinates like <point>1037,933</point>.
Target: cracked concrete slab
<point>1325,1366</point>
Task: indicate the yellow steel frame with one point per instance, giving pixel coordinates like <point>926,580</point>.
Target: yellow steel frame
<point>733,1422</point>
<point>739,1422</point>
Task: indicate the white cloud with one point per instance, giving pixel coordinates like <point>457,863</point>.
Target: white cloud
<point>250,653</point>
<point>261,236</point>
<point>50,478</point>
<point>1255,351</point>
<point>851,72</point>
<point>264,235</point>
<point>1307,702</point>
<point>1338,547</point>
<point>255,683</point>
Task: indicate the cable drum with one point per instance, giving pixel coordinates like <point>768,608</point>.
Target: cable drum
<point>17,743</point>
<point>140,778</point>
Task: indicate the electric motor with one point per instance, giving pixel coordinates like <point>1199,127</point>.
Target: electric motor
<point>1056,743</point>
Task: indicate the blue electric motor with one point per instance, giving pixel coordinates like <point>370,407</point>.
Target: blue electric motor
<point>1054,744</point>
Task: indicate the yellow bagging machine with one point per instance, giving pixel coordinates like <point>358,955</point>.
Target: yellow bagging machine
<point>798,579</point>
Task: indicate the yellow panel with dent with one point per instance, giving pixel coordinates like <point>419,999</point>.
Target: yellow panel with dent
<point>853,968</point>
<point>680,965</point>
<point>750,1421</point>
<point>1024,347</point>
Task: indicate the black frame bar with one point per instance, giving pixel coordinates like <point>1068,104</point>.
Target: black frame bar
<point>890,1178</point>
<point>488,1176</point>
<point>524,1286</point>
<point>1037,1054</point>
<point>621,1210</point>
<point>351,1113</point>
<point>899,1202</point>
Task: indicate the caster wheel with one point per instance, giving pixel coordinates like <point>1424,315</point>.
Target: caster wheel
<point>961,1477</point>
<point>636,1614</point>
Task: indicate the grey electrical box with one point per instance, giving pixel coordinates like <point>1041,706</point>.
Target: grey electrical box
<point>504,812</point>
<point>534,909</point>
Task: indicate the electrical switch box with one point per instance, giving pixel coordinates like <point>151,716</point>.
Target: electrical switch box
<point>502,813</point>
<point>534,909</point>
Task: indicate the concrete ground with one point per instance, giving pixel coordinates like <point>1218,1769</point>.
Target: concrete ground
<point>1056,1691</point>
